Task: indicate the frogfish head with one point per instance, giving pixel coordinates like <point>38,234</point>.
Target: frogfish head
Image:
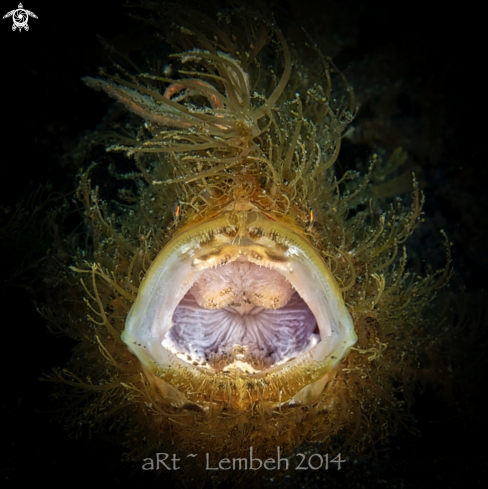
<point>224,298</point>
<point>240,294</point>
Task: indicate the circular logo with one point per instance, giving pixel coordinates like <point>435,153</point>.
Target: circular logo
<point>20,18</point>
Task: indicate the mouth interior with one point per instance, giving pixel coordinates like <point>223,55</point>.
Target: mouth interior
<point>241,315</point>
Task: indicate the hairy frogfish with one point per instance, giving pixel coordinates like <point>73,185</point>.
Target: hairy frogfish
<point>233,287</point>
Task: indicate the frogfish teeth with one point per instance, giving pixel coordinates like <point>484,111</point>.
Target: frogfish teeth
<point>232,292</point>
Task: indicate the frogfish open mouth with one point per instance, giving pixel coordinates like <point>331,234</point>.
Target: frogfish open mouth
<point>240,293</point>
<point>232,291</point>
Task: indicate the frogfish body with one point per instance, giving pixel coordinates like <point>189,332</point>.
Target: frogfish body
<point>224,298</point>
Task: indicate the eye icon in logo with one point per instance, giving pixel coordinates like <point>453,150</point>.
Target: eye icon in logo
<point>20,16</point>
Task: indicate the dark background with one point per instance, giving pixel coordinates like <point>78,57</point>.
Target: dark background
<point>419,74</point>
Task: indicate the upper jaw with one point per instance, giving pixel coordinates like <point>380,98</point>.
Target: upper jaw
<point>232,236</point>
